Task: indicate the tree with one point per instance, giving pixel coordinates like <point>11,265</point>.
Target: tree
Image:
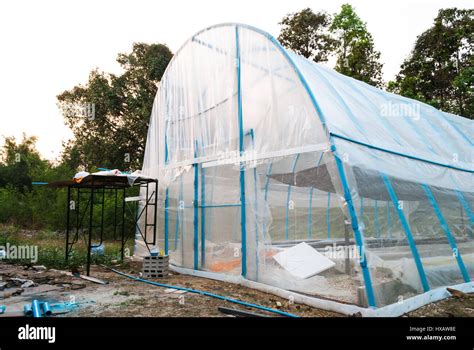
<point>20,163</point>
<point>356,54</point>
<point>306,33</point>
<point>109,116</point>
<point>21,203</point>
<point>440,68</point>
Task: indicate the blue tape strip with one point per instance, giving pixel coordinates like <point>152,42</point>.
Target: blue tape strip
<point>357,234</point>
<point>401,154</point>
<point>196,211</point>
<point>196,214</point>
<point>465,205</point>
<point>166,221</point>
<point>203,218</point>
<point>406,228</point>
<point>243,217</point>
<point>447,231</point>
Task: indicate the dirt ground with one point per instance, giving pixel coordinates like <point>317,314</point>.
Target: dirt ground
<point>125,297</point>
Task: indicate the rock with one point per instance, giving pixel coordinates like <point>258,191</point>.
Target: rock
<point>75,285</point>
<point>39,267</point>
<point>40,289</point>
<point>458,294</point>
<point>10,292</point>
<point>28,284</point>
<point>278,305</point>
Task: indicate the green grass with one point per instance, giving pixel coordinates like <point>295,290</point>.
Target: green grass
<point>51,248</point>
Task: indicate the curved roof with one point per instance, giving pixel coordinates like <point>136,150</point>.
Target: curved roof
<point>281,94</point>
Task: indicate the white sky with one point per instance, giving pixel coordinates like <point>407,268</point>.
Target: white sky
<point>49,46</point>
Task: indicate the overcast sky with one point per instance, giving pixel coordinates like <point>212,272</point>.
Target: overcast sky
<point>48,46</point>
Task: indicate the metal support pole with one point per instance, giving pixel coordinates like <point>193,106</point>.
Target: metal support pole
<point>155,212</point>
<point>67,221</point>
<point>123,224</point>
<point>91,217</point>
<point>115,215</point>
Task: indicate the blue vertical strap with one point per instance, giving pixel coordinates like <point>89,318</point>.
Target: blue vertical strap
<point>203,218</point>
<point>167,204</point>
<point>377,227</point>
<point>310,214</point>
<point>447,231</point>
<point>465,205</point>
<point>166,148</point>
<point>288,197</point>
<point>269,172</point>
<point>347,194</point>
<point>196,213</point>
<point>243,217</point>
<point>328,215</point>
<point>357,234</point>
<point>406,228</point>
<point>167,201</point>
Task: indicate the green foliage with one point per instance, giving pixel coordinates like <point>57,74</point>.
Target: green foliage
<point>440,68</point>
<point>356,54</point>
<point>21,203</point>
<point>51,248</point>
<point>306,33</point>
<point>109,116</point>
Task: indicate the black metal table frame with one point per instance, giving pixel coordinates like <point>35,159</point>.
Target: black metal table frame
<point>92,190</point>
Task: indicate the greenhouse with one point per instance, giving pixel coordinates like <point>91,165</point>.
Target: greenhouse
<point>281,174</point>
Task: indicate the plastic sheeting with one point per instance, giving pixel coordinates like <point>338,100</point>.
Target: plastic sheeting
<point>257,149</point>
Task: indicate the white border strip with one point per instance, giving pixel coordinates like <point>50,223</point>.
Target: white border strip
<point>211,161</point>
<point>420,300</point>
<point>320,147</point>
<point>347,309</point>
<point>393,310</point>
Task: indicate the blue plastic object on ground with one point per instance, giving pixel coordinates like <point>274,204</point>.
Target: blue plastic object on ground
<point>235,301</point>
<point>36,308</point>
<point>46,309</point>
